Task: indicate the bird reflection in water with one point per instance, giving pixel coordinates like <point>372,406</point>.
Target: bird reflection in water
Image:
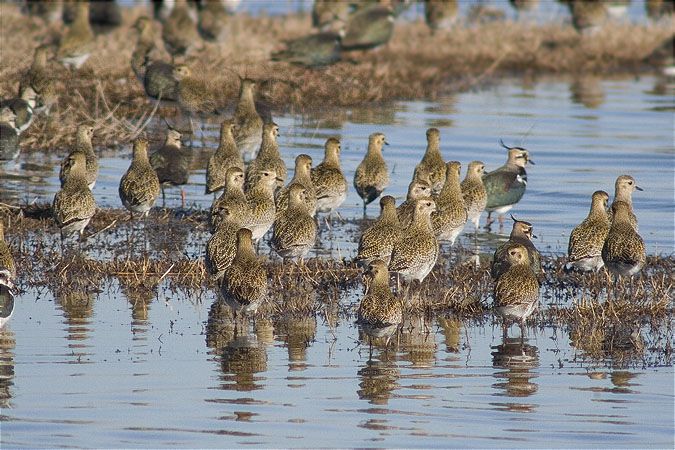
<point>241,353</point>
<point>378,379</point>
<point>519,359</point>
<point>139,298</point>
<point>7,345</point>
<point>418,342</point>
<point>587,90</point>
<point>297,333</point>
<point>452,329</point>
<point>78,307</point>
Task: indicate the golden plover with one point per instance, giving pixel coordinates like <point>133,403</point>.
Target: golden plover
<point>417,189</point>
<point>244,283</point>
<point>432,161</point>
<point>139,186</point>
<point>516,292</point>
<point>380,312</point>
<point>221,248</point>
<point>624,250</point>
<point>584,251</point>
<point>78,41</point>
<point>329,180</point>
<point>41,78</point>
<point>233,198</point>
<point>294,232</point>
<point>315,50</point>
<point>415,254</point>
<point>303,177</point>
<point>450,217</point>
<point>9,136</point>
<point>268,158</point>
<point>179,31</point>
<point>377,242</point>
<point>172,163</point>
<point>82,145</point>
<point>624,187</point>
<point>226,155</point>
<point>521,234</point>
<point>474,192</point>
<point>249,132</point>
<point>74,204</point>
<point>23,107</point>
<point>259,216</point>
<point>372,175</point>
<point>440,14</point>
<point>368,27</point>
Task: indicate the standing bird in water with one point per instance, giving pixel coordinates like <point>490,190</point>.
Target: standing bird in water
<point>584,251</point>
<point>74,204</point>
<point>521,234</point>
<point>226,155</point>
<point>78,41</point>
<point>624,187</point>
<point>249,131</point>
<point>624,250</point>
<point>329,180</point>
<point>516,292</point>
<point>474,192</point>
<point>172,163</point>
<point>505,186</point>
<point>139,186</point>
<point>378,241</point>
<point>432,163</point>
<point>82,145</point>
<point>372,175</point>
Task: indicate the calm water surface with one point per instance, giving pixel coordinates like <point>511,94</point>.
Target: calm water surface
<point>120,369</point>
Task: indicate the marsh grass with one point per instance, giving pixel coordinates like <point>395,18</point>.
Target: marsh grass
<point>414,65</point>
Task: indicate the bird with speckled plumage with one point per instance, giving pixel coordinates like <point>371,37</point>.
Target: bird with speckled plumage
<point>417,189</point>
<point>172,163</point>
<point>294,231</point>
<point>233,198</point>
<point>378,241</point>
<point>521,234</point>
<point>584,251</point>
<point>415,254</point>
<point>624,186</point>
<point>451,215</point>
<point>249,132</point>
<point>268,157</point>
<point>74,204</point>
<point>221,247</point>
<point>516,292</point>
<point>380,312</point>
<point>329,180</point>
<point>226,156</point>
<point>624,250</point>
<point>432,161</point>
<point>474,192</point>
<point>302,176</point>
<point>139,186</point>
<point>372,174</point>
<point>261,211</point>
<point>84,146</point>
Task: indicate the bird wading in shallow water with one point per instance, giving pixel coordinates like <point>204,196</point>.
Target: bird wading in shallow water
<point>372,175</point>
<point>584,251</point>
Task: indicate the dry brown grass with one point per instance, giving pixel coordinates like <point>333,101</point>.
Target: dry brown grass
<point>414,65</point>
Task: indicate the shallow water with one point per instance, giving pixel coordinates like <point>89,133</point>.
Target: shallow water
<point>120,369</point>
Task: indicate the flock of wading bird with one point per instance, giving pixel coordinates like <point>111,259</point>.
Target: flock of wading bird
<point>255,199</point>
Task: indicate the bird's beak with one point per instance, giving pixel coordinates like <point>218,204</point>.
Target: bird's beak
<point>534,236</point>
<point>279,179</point>
<point>386,143</point>
<point>638,188</point>
<point>530,161</point>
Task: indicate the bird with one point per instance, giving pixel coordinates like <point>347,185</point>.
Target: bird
<point>268,157</point>
<point>415,254</point>
<point>624,186</point>
<point>249,132</point>
<point>432,162</point>
<point>328,14</point>
<point>41,79</point>
<point>451,214</point>
<point>23,107</point>
<point>83,145</point>
<point>417,189</point>
<point>302,176</point>
<point>221,248</point>
<point>584,251</point>
<point>179,31</point>
<point>139,186</point>
<point>440,14</point>
<point>104,16</point>
<point>380,313</point>
<point>226,155</point>
<point>624,250</point>
<point>516,292</point>
<point>378,241</point>
<point>211,23</point>
<point>195,97</point>
<point>474,192</point>
<point>372,175</point>
<point>368,27</point>
<point>314,50</point>
<point>157,76</point>
<point>145,43</point>
<point>9,136</point>
<point>172,163</point>
<point>78,41</point>
<point>244,282</point>
<point>329,180</point>
<point>74,204</point>
<point>7,279</point>
<point>521,234</point>
<point>588,17</point>
<point>259,215</point>
<point>294,231</point>
<point>505,186</point>
<point>233,198</point>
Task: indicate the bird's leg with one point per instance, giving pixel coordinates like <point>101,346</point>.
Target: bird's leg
<point>501,222</point>
<point>488,221</point>
<point>364,209</point>
<point>505,332</point>
<point>163,197</point>
<point>182,198</point>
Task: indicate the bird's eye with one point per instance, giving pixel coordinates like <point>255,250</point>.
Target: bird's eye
<point>630,182</point>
